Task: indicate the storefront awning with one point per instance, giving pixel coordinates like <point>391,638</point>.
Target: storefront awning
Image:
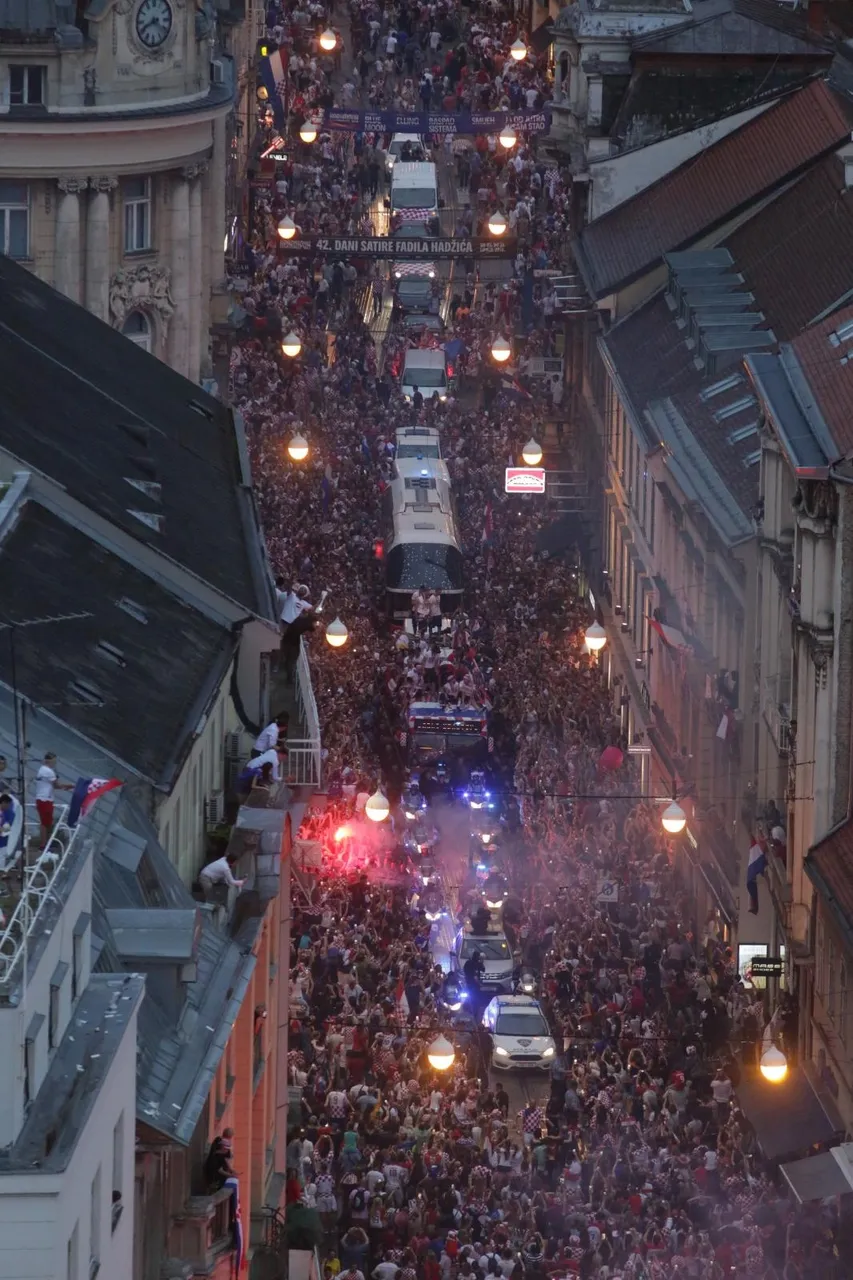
<point>821,1176</point>
<point>788,1118</point>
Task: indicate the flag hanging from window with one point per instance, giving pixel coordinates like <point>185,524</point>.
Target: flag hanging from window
<point>273,71</point>
<point>86,792</point>
<point>755,867</point>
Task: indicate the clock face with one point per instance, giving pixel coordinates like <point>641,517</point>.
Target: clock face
<point>153,22</point>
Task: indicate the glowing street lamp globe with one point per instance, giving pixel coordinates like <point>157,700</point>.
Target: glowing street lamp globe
<point>497,223</point>
<point>286,228</point>
<point>595,636</point>
<point>308,132</point>
<point>532,454</point>
<point>377,807</point>
<point>773,1065</point>
<point>441,1055</point>
<point>298,449</point>
<point>328,40</point>
<point>336,634</point>
<point>518,50</point>
<point>673,819</point>
<point>501,350</point>
<point>291,345</point>
<point>507,138</point>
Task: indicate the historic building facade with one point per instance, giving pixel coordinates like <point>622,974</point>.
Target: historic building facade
<point>114,142</point>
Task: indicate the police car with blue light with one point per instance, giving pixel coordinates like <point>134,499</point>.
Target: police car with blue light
<point>521,1037</point>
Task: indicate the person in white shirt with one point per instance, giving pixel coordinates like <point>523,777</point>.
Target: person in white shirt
<point>46,784</point>
<point>276,756</point>
<point>219,872</point>
<point>296,602</point>
<point>268,737</point>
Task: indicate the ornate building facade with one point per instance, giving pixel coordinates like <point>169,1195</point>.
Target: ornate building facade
<point>116,119</point>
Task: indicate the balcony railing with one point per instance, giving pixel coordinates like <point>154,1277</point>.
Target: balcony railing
<point>777,713</point>
<point>38,881</point>
<point>304,766</point>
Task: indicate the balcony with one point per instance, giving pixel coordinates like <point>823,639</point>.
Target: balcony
<point>776,709</point>
<point>202,1233</point>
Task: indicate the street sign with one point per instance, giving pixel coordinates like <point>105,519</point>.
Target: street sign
<point>401,247</point>
<point>525,480</point>
<point>767,967</point>
<point>608,890</point>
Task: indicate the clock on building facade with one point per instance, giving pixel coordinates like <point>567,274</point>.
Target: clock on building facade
<point>153,23</point>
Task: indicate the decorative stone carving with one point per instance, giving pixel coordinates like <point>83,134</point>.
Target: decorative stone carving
<point>205,20</point>
<point>193,171</point>
<point>103,184</point>
<point>143,288</point>
<point>72,186</point>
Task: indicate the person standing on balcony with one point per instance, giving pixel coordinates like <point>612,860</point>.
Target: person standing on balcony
<point>269,737</point>
<point>47,784</point>
<point>219,872</point>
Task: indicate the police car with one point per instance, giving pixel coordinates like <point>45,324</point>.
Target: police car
<point>520,1033</point>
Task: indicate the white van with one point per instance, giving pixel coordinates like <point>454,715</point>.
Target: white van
<point>414,186</point>
<point>395,148</point>
<point>426,370</point>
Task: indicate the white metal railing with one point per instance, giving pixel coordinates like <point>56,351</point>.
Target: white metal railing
<point>777,712</point>
<point>301,770</point>
<point>38,881</point>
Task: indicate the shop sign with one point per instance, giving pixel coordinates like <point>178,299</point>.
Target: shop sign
<point>525,480</point>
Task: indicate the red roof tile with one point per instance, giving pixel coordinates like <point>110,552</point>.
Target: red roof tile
<point>827,361</point>
<point>710,188</point>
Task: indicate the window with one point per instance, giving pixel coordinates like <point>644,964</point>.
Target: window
<point>137,328</point>
<point>53,1019</point>
<point>95,1225</point>
<point>14,219</point>
<point>27,86</point>
<point>137,215</point>
<point>118,1168</point>
<point>72,1269</point>
<point>29,1070</point>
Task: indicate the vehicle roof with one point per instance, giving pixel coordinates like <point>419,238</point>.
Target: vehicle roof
<point>406,434</point>
<point>423,468</point>
<point>436,709</point>
<point>424,358</point>
<point>483,937</point>
<point>415,527</point>
<point>413,173</point>
<point>406,137</point>
<point>519,1002</point>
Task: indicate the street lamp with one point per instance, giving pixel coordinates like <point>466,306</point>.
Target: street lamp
<point>286,228</point>
<point>518,50</point>
<point>291,345</point>
<point>377,807</point>
<point>501,350</point>
<point>673,819</point>
<point>441,1055</point>
<point>298,448</point>
<point>532,454</point>
<point>336,634</point>
<point>596,637</point>
<point>773,1065</point>
<point>507,138</point>
<point>263,93</point>
<point>497,224</point>
<point>328,41</point>
<point>308,132</point>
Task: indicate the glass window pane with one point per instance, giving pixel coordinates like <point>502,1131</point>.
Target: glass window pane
<point>12,192</point>
<point>18,237</point>
<point>135,188</point>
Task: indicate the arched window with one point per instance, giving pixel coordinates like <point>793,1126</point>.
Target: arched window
<point>137,328</point>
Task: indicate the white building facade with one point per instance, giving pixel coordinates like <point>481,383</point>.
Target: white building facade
<point>67,1082</point>
<point>113,153</point>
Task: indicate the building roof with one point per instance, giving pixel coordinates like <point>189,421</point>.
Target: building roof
<point>665,100</point>
<point>825,355</point>
<point>134,676</point>
<point>710,188</point>
<point>743,29</point>
<point>796,260</point>
<point>127,436</point>
<point>181,1036</point>
<point>78,1068</point>
<point>33,17</point>
<point>829,866</point>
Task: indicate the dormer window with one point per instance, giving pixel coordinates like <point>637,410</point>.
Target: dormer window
<point>27,86</point>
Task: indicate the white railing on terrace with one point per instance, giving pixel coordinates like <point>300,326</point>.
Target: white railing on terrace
<point>302,770</point>
<point>38,881</point>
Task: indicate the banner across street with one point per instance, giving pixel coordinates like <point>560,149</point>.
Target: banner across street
<point>429,123</point>
<point>400,247</point>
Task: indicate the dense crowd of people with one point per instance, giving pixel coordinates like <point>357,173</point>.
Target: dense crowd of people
<point>637,1163</point>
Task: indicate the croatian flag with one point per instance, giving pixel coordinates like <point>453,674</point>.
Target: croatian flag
<point>236,1225</point>
<point>86,792</point>
<point>755,867</point>
<point>274,75</point>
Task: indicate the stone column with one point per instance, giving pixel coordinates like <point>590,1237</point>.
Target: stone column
<point>98,246</point>
<point>198,309</point>
<point>179,336</point>
<point>217,213</point>
<point>67,270</point>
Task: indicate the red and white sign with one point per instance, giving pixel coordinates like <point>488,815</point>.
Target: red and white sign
<point>525,480</point>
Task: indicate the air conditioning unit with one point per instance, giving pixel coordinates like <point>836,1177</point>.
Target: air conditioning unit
<point>235,746</point>
<point>217,71</point>
<point>216,808</point>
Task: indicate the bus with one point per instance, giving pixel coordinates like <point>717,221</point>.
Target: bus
<point>421,537</point>
<point>435,732</point>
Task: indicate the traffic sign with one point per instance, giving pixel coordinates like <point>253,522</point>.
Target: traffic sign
<point>525,480</point>
<point>608,890</point>
<point>767,967</point>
